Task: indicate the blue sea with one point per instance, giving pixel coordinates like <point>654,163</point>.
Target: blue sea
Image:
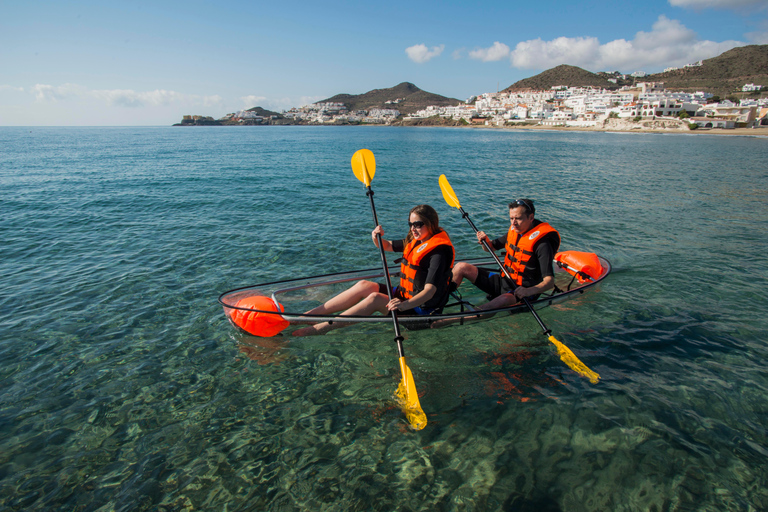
<point>123,386</point>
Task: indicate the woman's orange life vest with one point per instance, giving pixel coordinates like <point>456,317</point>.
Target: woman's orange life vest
<point>411,278</point>
<point>520,250</point>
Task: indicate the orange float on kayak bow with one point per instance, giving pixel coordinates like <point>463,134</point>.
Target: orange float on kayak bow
<point>258,323</point>
<point>576,263</point>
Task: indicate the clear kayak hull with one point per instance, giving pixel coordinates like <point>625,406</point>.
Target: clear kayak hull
<point>291,298</point>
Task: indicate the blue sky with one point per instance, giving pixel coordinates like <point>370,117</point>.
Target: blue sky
<point>92,63</point>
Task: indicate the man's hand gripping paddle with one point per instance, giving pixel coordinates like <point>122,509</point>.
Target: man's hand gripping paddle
<point>364,167</point>
<point>565,353</point>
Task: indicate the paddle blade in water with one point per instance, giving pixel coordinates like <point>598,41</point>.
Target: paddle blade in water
<point>364,165</point>
<point>573,362</point>
<point>448,194</point>
<point>257,323</point>
<point>408,398</point>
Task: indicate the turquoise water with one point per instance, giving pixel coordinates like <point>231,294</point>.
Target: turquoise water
<point>123,387</point>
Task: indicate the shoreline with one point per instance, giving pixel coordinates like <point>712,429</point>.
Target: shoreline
<point>744,132</point>
<point>761,132</point>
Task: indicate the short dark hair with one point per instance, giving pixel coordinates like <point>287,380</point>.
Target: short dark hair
<point>525,203</point>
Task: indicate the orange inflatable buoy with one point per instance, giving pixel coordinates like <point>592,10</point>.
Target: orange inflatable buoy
<point>256,322</point>
<point>580,262</point>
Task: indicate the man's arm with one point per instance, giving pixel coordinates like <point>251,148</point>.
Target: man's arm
<point>544,254</point>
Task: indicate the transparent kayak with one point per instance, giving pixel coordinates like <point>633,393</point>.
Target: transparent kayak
<point>289,299</point>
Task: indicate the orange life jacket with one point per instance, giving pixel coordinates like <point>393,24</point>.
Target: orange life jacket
<point>520,249</point>
<point>411,278</point>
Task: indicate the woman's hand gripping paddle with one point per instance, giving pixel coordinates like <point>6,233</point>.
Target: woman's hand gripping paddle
<point>364,167</point>
<point>567,356</point>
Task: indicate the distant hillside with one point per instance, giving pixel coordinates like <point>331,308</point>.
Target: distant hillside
<point>264,112</point>
<point>561,75</point>
<point>721,75</point>
<point>409,99</point>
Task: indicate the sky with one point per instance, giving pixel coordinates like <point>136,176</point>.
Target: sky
<point>148,63</point>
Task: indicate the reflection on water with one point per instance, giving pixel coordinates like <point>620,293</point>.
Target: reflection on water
<point>124,387</point>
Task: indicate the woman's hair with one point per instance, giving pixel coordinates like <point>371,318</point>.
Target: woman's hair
<point>430,218</point>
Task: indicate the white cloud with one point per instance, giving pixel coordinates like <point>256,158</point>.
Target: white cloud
<point>121,97</point>
<point>156,98</point>
<point>536,53</point>
<point>51,93</point>
<point>304,100</point>
<point>130,98</point>
<point>11,88</point>
<point>498,51</point>
<point>420,54</point>
<point>717,4</point>
<point>760,36</point>
<point>669,43</point>
<point>252,100</point>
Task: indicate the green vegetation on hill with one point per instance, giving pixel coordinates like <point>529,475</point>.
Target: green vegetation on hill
<point>410,97</point>
<point>722,75</point>
<point>264,112</point>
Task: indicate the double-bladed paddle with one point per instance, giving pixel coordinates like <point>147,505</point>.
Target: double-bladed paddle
<point>565,353</point>
<point>364,167</point>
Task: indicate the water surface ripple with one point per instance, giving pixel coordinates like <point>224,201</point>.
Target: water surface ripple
<point>123,387</point>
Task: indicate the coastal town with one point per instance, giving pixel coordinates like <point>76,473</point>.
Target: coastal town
<point>726,92</point>
<point>562,106</point>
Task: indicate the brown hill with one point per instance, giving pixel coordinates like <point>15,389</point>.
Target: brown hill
<point>722,75</point>
<point>265,113</point>
<point>405,97</point>
<point>563,74</point>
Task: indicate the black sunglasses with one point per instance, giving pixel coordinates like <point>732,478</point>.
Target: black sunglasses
<point>520,202</point>
<point>418,224</point>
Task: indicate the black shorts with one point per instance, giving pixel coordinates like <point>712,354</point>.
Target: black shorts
<point>417,311</point>
<point>492,283</point>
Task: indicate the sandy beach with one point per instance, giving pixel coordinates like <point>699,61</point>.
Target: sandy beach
<point>613,125</point>
<point>744,132</point>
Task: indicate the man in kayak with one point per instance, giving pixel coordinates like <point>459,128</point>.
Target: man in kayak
<point>531,246</point>
<point>425,270</point>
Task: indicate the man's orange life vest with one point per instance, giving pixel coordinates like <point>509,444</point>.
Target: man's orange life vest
<point>520,249</point>
<point>411,279</point>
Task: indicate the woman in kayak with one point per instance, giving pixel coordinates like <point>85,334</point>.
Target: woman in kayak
<point>425,270</point>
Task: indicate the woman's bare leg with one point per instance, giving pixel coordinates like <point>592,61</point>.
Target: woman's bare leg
<point>346,299</point>
<point>370,304</point>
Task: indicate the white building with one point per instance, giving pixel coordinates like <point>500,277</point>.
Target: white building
<point>651,87</point>
<point>712,122</point>
<point>735,113</point>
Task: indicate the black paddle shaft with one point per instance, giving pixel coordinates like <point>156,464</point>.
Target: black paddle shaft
<point>398,336</point>
<point>547,332</point>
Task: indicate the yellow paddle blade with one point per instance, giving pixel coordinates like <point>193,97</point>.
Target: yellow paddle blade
<point>573,362</point>
<point>448,194</point>
<point>364,165</point>
<point>409,399</point>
